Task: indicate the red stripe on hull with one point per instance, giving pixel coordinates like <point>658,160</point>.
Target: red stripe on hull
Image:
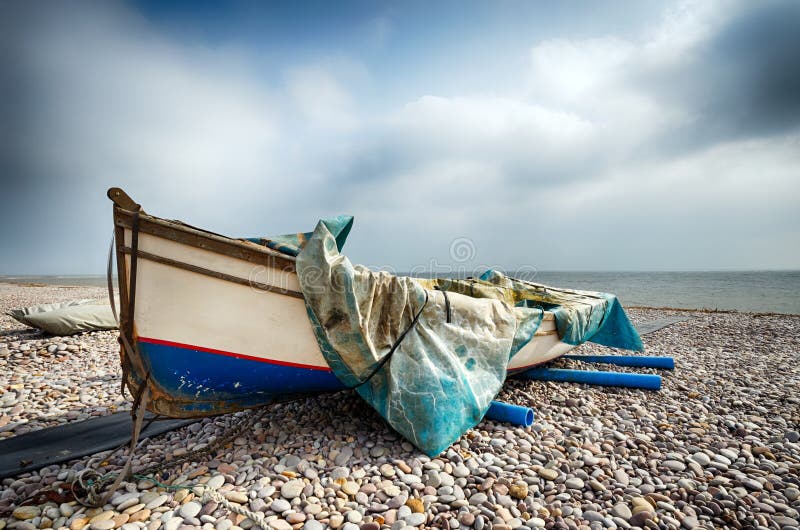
<point>231,354</point>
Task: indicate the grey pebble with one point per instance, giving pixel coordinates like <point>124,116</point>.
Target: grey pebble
<point>173,523</point>
<point>622,511</point>
<point>415,519</point>
<point>190,509</point>
<point>574,483</point>
<point>674,465</point>
<point>292,489</point>
<point>280,505</point>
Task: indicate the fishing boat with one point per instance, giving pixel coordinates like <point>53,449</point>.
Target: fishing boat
<point>214,324</point>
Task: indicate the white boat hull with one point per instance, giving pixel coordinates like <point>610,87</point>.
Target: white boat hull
<point>221,333</point>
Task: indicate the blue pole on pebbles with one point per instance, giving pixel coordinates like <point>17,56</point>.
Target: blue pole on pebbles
<point>509,413</point>
<point>590,377</point>
<point>639,361</point>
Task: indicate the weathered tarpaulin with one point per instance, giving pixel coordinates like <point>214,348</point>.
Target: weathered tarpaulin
<point>430,354</point>
<point>581,316</point>
<point>292,244</point>
<point>444,373</point>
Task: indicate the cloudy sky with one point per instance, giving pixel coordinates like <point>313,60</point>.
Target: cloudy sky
<point>562,136</point>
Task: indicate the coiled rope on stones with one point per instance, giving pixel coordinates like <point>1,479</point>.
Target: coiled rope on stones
<point>88,485</point>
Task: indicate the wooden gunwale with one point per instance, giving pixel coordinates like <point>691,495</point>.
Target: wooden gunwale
<point>245,250</point>
<point>236,248</point>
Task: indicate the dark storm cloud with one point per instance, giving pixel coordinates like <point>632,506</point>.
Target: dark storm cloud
<point>754,67</point>
<point>742,82</point>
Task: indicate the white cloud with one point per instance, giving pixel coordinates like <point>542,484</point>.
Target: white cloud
<point>468,123</point>
<point>755,177</point>
<point>578,74</point>
<point>498,132</point>
<point>685,25</point>
<point>584,110</point>
<point>321,99</point>
<point>588,153</point>
<point>602,79</point>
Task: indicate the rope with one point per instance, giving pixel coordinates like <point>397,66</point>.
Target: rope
<point>447,311</point>
<point>91,482</point>
<point>109,278</point>
<point>93,486</point>
<point>395,346</point>
<point>257,517</point>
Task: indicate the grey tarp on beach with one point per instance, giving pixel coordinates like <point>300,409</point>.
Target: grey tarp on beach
<point>67,318</point>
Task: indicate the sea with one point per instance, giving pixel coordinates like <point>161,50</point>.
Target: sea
<point>749,291</point>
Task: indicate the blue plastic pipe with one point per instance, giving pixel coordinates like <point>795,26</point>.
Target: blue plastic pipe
<point>646,381</point>
<point>640,361</point>
<point>508,413</point>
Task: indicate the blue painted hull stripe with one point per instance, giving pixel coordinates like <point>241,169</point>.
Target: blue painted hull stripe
<point>197,375</point>
<point>230,354</point>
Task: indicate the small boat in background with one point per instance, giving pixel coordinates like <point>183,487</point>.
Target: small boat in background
<point>213,324</point>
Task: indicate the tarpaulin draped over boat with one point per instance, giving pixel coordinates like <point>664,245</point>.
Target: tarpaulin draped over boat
<point>581,316</point>
<point>443,376</point>
<point>292,244</point>
<point>445,371</point>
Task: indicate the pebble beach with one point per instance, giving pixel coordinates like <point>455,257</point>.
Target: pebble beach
<point>717,447</point>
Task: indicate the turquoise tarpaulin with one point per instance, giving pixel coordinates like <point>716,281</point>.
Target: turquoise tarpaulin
<point>444,374</point>
<point>292,244</point>
<point>434,379</point>
<point>581,316</point>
